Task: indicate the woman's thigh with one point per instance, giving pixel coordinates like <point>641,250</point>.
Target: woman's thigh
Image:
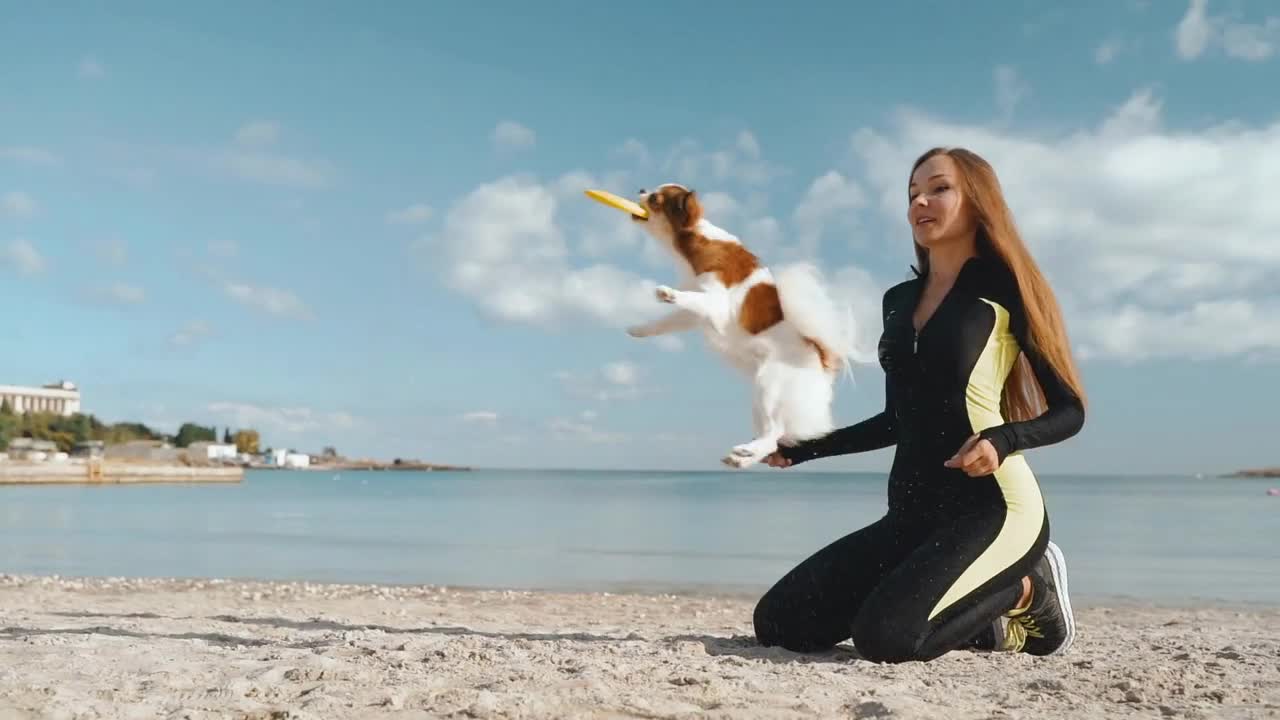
<point>965,574</point>
<point>813,606</point>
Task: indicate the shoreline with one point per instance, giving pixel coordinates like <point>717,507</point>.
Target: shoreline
<point>130,647</point>
<point>688,591</point>
<point>370,465</point>
<point>118,472</point>
<point>1269,472</point>
<point>114,473</point>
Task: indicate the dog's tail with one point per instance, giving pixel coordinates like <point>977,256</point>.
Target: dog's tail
<point>828,327</point>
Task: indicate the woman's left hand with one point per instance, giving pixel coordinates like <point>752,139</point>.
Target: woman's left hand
<point>976,456</point>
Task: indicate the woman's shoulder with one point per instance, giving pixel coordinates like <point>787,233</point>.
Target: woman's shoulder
<point>900,295</point>
<point>992,279</point>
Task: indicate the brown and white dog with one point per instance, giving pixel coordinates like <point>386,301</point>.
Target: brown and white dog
<point>781,330</point>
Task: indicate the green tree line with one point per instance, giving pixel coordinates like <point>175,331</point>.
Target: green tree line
<point>67,430</point>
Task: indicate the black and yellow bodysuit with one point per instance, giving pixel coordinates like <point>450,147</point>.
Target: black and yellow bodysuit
<point>948,557</point>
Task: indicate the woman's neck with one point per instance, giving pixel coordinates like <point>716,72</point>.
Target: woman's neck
<point>946,260</point>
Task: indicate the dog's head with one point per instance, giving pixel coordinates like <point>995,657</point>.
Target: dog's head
<point>672,208</point>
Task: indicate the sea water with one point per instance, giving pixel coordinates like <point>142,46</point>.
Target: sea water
<point>1167,540</point>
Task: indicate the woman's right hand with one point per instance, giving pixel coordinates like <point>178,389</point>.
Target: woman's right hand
<point>775,459</point>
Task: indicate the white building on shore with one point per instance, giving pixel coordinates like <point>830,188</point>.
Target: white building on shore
<point>60,397</point>
<point>281,457</point>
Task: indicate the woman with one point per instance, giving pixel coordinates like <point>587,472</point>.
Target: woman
<point>977,370</point>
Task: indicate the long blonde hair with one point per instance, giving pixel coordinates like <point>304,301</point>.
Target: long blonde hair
<point>998,239</point>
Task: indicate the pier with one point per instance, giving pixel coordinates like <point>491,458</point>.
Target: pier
<point>97,472</point>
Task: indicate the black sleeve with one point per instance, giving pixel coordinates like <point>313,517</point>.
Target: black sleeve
<point>1064,413</point>
<point>877,431</point>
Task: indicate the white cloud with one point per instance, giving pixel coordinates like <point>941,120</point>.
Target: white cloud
<point>258,132</point>
<point>1198,31</point>
<point>412,215</point>
<point>831,201</point>
<point>766,238</point>
<point>622,373</point>
<point>248,157</point>
<point>1105,53</point>
<point>191,333</point>
<point>1193,31</point>
<point>504,246</point>
<point>486,417</point>
<point>584,432</point>
<point>1010,90</point>
<point>510,134</point>
<point>1128,220</point>
<point>271,168</point>
<point>124,294</point>
<point>113,250</point>
<point>1251,42</point>
<point>30,155</point>
<point>670,343</point>
<point>634,151</point>
<point>224,248</point>
<point>720,207</point>
<point>266,419</point>
<point>17,204</point>
<point>1201,330</point>
<point>91,68</point>
<point>618,380</point>
<point>275,301</point>
<point>136,175</point>
<point>21,255</point>
<point>737,160</point>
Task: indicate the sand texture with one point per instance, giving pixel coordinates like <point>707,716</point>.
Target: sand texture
<point>209,649</point>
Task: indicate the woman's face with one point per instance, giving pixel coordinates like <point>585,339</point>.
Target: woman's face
<point>937,210</point>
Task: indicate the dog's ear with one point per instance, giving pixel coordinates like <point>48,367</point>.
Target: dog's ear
<point>690,208</point>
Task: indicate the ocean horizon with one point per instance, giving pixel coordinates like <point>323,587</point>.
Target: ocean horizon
<point>1152,538</point>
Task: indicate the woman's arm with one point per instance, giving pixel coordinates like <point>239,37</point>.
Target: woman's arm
<point>877,431</point>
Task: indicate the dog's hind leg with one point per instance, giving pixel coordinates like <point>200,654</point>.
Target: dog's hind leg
<point>769,426</point>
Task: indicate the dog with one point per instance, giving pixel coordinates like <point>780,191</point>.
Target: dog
<point>781,330</point>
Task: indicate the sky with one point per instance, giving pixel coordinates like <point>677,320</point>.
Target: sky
<point>364,226</point>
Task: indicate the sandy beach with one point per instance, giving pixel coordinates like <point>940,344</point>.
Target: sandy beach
<point>121,648</point>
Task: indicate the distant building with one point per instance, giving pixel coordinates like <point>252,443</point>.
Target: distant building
<point>62,397</point>
<point>31,449</point>
<point>211,451</point>
<point>150,450</point>
<point>286,458</point>
<point>88,449</point>
<point>297,460</point>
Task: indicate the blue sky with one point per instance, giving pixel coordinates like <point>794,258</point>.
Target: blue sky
<point>364,226</point>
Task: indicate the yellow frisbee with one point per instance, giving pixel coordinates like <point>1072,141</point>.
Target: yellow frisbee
<point>620,203</point>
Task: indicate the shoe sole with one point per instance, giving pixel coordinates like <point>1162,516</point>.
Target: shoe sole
<point>1058,567</point>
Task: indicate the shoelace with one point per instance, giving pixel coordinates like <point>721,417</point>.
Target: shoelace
<point>1028,623</point>
<point>1015,635</point>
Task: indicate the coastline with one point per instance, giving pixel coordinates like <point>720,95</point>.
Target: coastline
<point>127,647</point>
<point>375,465</point>
<point>119,472</point>
<point>1268,472</point>
<point>114,473</point>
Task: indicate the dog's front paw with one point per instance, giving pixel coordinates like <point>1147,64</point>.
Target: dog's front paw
<point>740,462</point>
<point>665,294</point>
<point>638,331</point>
